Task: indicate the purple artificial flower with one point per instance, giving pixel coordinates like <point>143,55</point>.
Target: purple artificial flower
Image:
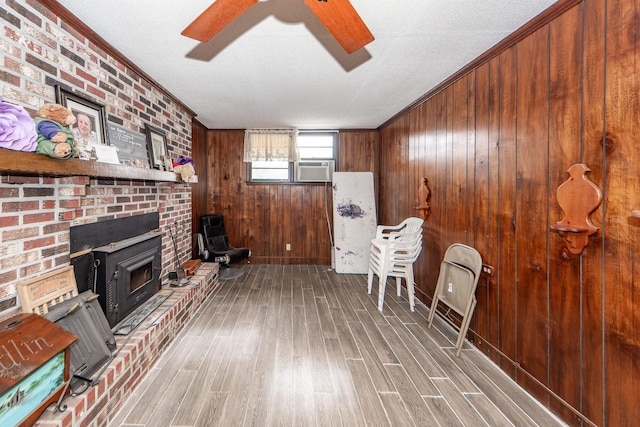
<point>182,160</point>
<point>17,128</point>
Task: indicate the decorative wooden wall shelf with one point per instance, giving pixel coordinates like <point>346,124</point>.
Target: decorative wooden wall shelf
<point>578,197</point>
<point>34,164</point>
<point>424,194</point>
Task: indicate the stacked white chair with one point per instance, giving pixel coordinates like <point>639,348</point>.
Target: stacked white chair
<point>393,252</point>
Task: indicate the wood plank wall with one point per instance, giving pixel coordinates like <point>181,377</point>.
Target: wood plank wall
<point>199,190</point>
<point>266,217</point>
<point>495,145</point>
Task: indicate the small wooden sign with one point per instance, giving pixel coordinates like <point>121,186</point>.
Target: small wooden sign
<point>37,295</point>
<point>132,146</point>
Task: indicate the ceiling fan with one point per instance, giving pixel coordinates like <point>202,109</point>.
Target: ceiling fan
<point>338,16</point>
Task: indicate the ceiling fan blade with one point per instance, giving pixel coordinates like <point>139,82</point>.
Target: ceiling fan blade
<point>343,22</point>
<point>215,18</point>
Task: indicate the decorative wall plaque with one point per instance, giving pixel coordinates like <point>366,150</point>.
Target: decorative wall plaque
<point>37,295</point>
<point>132,146</point>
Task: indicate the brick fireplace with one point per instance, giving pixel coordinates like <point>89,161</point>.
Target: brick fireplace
<point>99,404</point>
<point>38,210</point>
<point>35,235</point>
<point>38,214</point>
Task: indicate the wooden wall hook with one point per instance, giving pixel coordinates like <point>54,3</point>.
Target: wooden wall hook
<point>424,194</point>
<point>578,197</point>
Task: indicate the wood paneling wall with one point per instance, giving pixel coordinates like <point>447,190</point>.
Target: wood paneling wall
<point>265,217</point>
<point>495,144</point>
<point>199,203</point>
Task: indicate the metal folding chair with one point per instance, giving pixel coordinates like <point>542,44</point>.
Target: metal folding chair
<point>456,287</point>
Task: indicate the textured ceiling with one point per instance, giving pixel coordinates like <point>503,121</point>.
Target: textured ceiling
<point>276,65</point>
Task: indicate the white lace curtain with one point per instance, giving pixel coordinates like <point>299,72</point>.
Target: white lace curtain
<point>270,145</point>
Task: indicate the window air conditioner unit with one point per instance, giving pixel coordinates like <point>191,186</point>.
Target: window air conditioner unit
<point>314,171</point>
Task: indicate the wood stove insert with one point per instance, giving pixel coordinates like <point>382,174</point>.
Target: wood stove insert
<point>120,260</point>
<point>128,274</point>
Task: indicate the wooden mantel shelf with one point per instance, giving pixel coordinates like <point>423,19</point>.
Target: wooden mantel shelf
<point>34,164</point>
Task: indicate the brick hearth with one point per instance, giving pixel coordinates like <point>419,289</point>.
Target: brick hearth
<point>98,405</point>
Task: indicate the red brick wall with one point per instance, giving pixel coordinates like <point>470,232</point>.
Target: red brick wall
<point>37,51</point>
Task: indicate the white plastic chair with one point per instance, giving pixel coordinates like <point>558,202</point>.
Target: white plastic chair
<point>456,287</point>
<point>409,225</point>
<point>393,252</point>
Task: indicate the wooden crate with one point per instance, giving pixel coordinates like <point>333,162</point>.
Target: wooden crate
<point>37,295</point>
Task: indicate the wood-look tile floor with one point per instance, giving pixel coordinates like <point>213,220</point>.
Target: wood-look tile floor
<point>304,346</point>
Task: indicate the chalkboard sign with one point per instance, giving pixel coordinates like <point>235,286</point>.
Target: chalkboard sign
<point>132,146</point>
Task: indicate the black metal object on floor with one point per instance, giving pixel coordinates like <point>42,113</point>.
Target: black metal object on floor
<point>230,273</point>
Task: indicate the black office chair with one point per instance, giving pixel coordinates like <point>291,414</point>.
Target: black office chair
<point>213,244</point>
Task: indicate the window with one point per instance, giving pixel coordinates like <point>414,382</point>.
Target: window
<point>270,171</point>
<point>318,152</point>
<point>317,145</point>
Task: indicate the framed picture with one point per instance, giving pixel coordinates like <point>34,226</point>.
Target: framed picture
<point>91,127</point>
<point>157,146</point>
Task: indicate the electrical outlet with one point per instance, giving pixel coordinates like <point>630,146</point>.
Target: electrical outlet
<point>487,269</point>
<point>288,246</point>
